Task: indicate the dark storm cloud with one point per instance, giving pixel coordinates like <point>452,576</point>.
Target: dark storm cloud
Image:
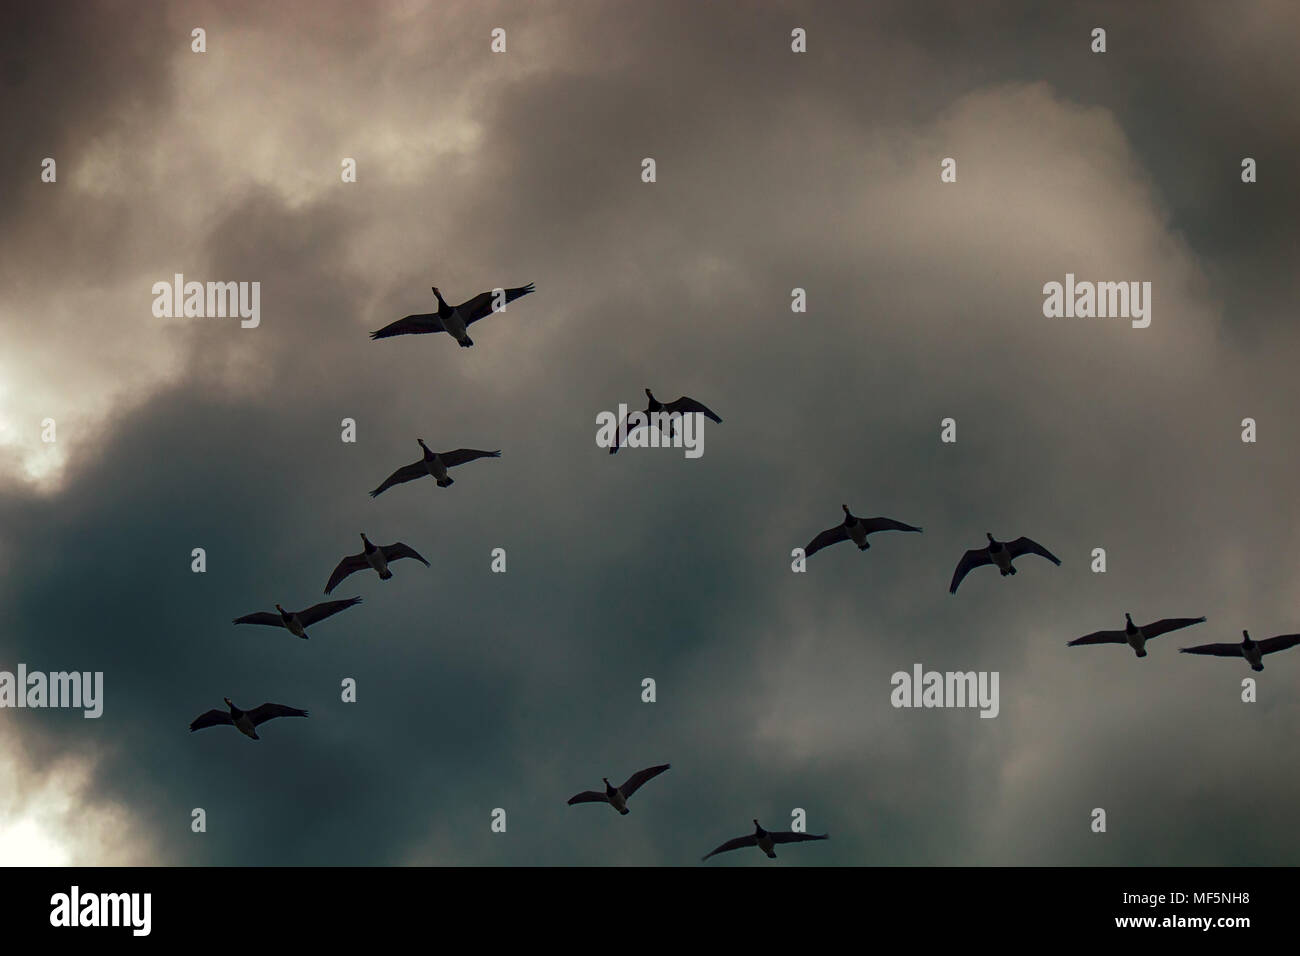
<point>479,691</point>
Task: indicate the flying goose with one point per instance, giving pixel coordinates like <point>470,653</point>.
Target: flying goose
<point>297,622</point>
<point>1253,651</point>
<point>616,797</point>
<point>435,464</point>
<point>453,320</point>
<point>854,529</point>
<point>684,405</point>
<point>1001,553</point>
<point>1137,637</point>
<point>244,720</point>
<point>372,556</point>
<point>766,841</point>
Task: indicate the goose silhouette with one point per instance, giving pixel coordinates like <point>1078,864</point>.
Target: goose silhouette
<point>617,797</point>
<point>435,465</point>
<point>245,721</point>
<point>455,320</point>
<point>1134,636</point>
<point>1252,651</point>
<point>766,841</point>
<point>685,405</point>
<point>297,622</point>
<point>378,557</point>
<point>854,529</point>
<point>1001,553</point>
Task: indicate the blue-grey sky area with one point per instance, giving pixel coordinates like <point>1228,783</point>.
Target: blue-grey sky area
<point>775,170</point>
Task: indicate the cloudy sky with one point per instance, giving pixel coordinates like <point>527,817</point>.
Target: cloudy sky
<point>775,170</point>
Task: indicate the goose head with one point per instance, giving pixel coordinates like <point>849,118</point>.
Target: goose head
<point>228,702</point>
<point>846,511</point>
<point>1245,635</point>
<point>609,787</point>
<point>1128,621</point>
<point>758,829</point>
<point>438,294</point>
<point>283,612</point>
<point>427,453</point>
<point>654,403</point>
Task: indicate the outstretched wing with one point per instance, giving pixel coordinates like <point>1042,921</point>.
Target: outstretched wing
<point>588,796</point>
<point>735,844</point>
<point>411,325</point>
<point>1156,628</point>
<point>482,305</point>
<point>873,525</point>
<point>828,537</point>
<point>685,405</point>
<point>1213,650</point>
<point>1100,637</point>
<point>1027,546</point>
<point>261,617</point>
<point>1279,643</point>
<point>210,719</point>
<point>406,473</point>
<point>973,558</point>
<point>635,781</point>
<point>791,837</point>
<point>349,565</point>
<point>461,455</point>
<point>626,427</point>
<point>394,552</point>
<point>260,715</point>
<point>318,612</point>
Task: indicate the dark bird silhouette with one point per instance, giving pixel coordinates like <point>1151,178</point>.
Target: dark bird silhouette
<point>854,529</point>
<point>684,405</point>
<point>297,622</point>
<point>1001,553</point>
<point>378,557</point>
<point>245,721</point>
<point>434,464</point>
<point>766,841</point>
<point>1134,636</point>
<point>1252,651</point>
<point>617,797</point>
<point>452,319</point>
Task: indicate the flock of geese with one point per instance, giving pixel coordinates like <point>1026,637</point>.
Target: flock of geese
<point>1003,553</point>
<point>456,320</point>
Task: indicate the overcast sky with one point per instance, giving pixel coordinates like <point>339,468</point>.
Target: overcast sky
<point>775,170</point>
